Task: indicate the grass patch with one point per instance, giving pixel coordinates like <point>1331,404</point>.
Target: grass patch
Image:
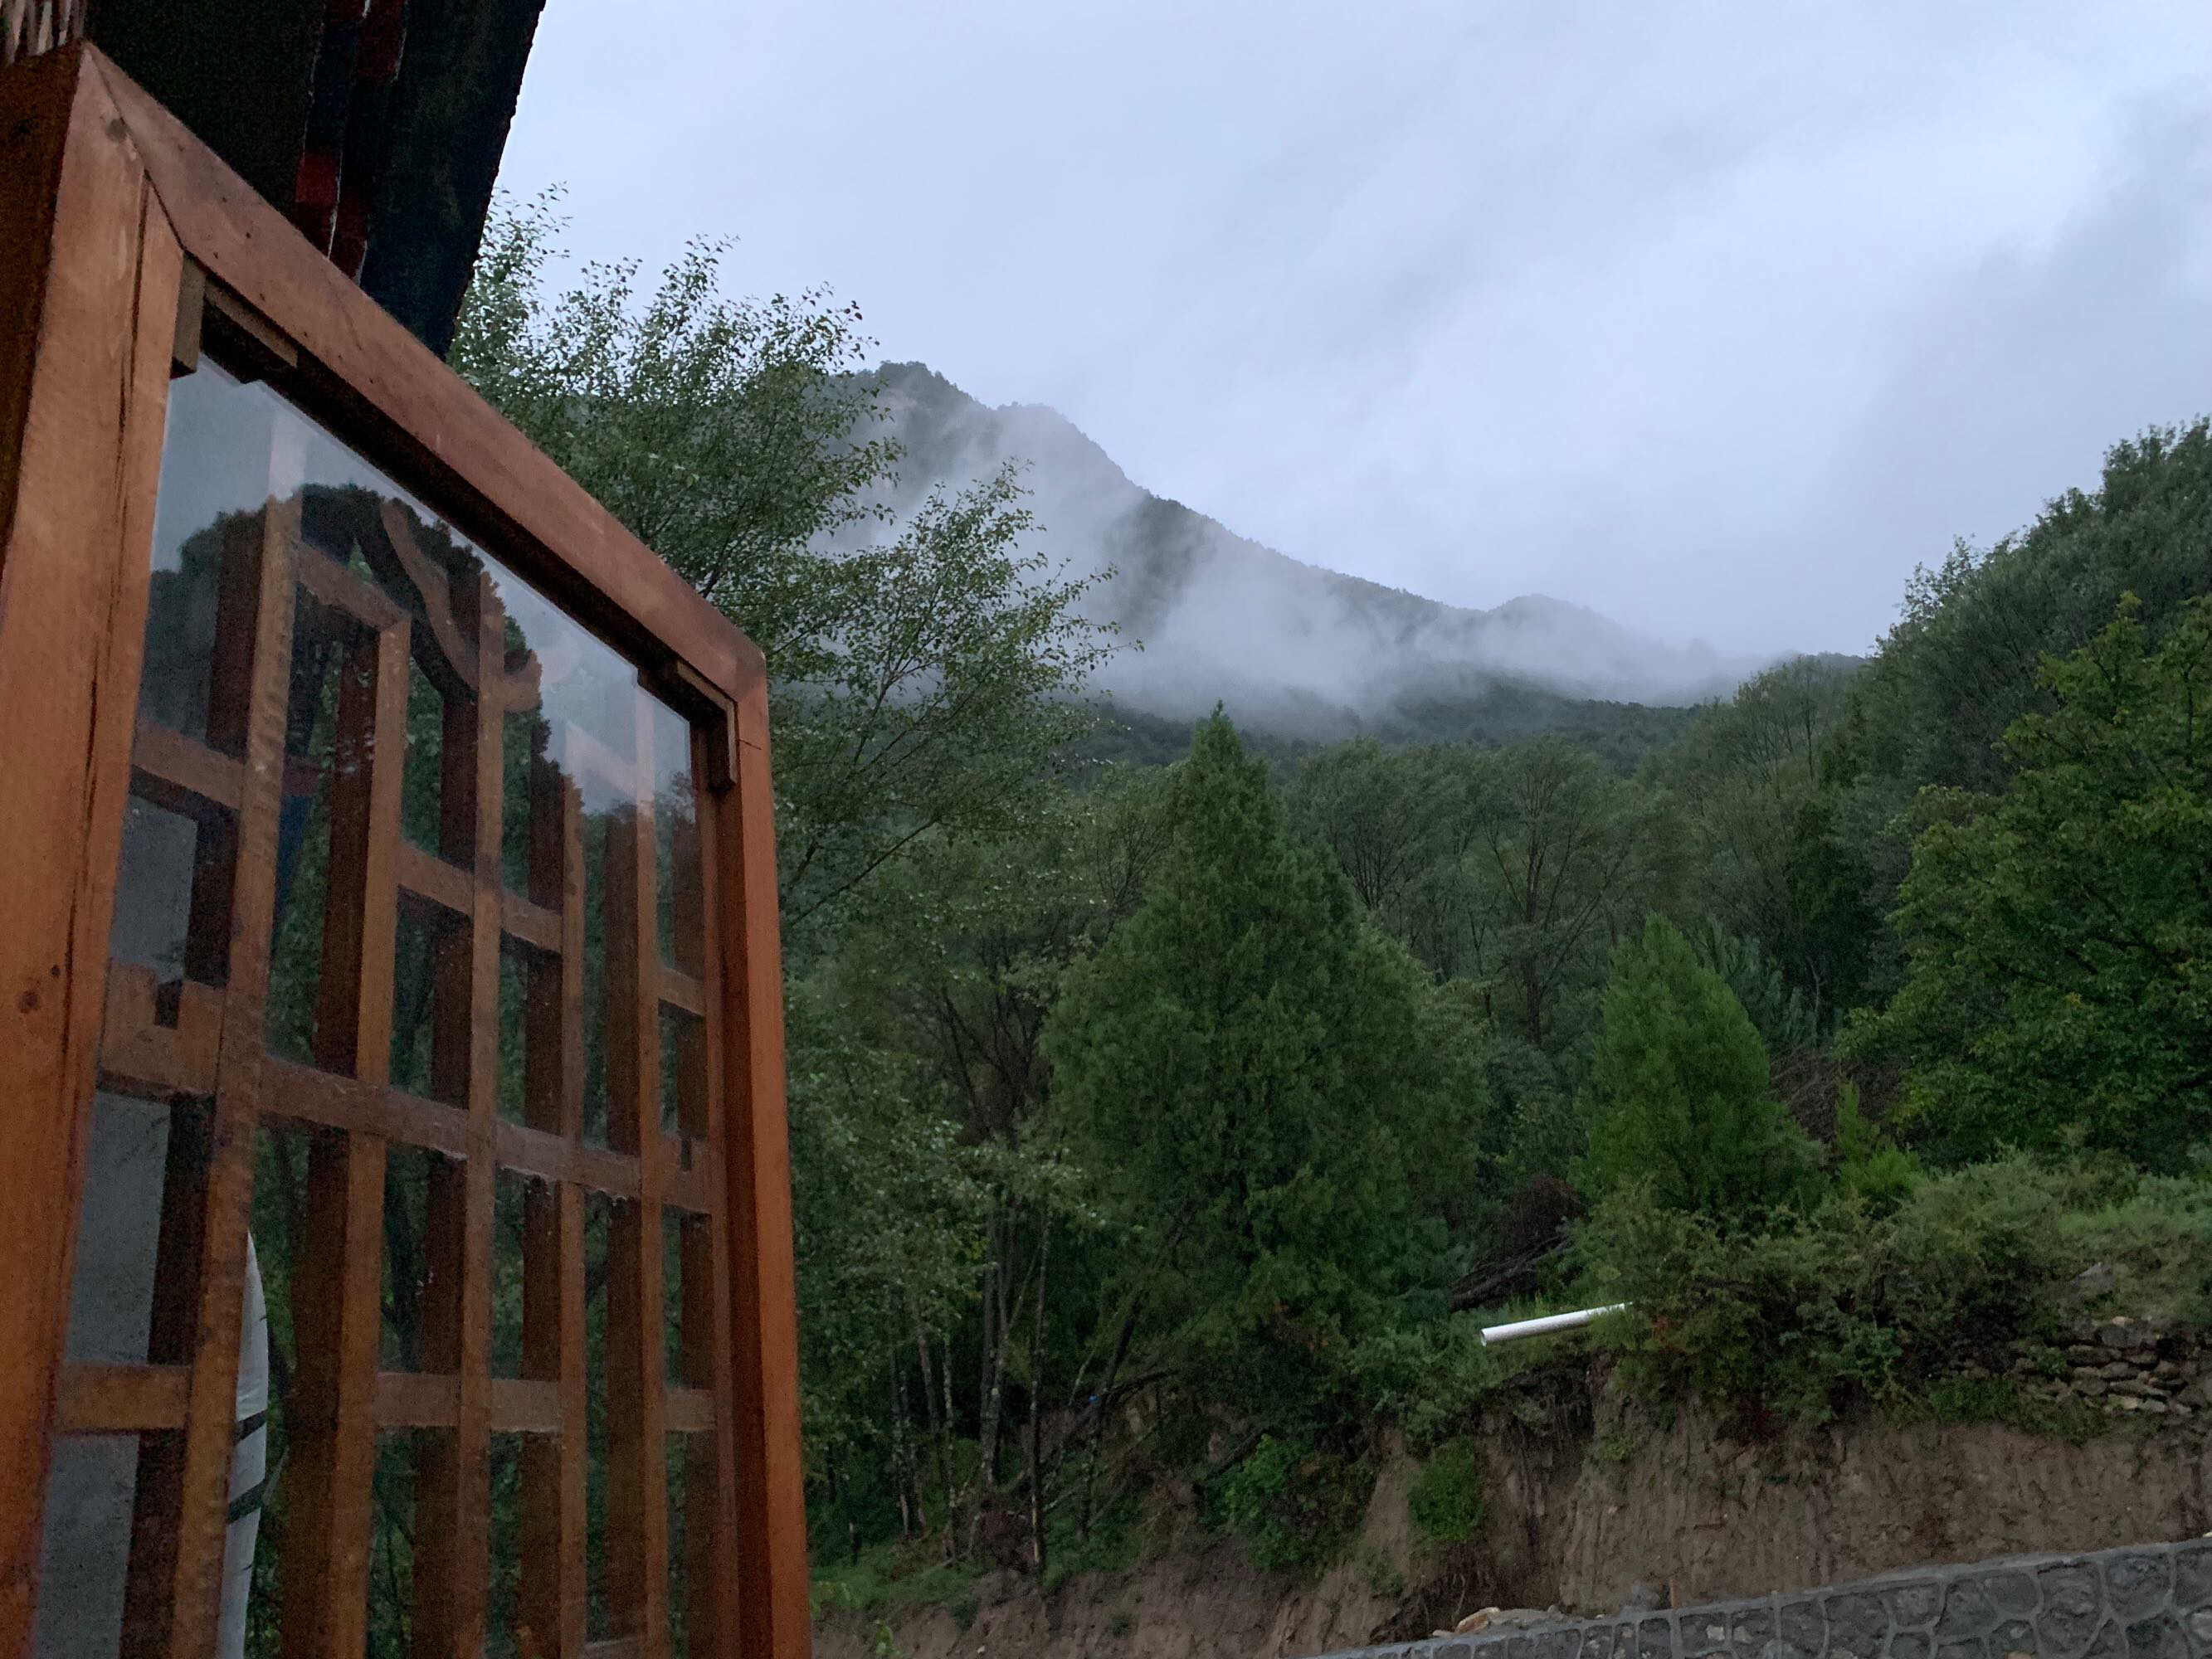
<point>1995,1399</point>
<point>1117,1543</point>
<point>1446,1499</point>
<point>896,1576</point>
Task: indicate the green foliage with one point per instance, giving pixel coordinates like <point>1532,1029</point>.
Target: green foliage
<point>1777,1009</point>
<point>1561,861</point>
<point>1445,1501</point>
<point>1432,1376</point>
<point>1381,1575</point>
<point>1219,1073</point>
<point>1114,1544</point>
<point>1769,863</point>
<point>1869,1165</point>
<point>2059,991</point>
<point>1794,1319</point>
<point>1241,1055</point>
<point>1678,1094</point>
<point>892,1575</point>
<point>1963,661</point>
<point>1292,1506</point>
<point>923,673</point>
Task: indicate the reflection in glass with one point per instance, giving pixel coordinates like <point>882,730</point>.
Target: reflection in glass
<point>90,1495</point>
<point>403,649</point>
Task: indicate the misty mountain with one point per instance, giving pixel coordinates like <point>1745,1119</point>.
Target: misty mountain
<point>1285,645</point>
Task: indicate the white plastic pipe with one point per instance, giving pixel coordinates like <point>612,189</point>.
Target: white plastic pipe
<point>1547,1325</point>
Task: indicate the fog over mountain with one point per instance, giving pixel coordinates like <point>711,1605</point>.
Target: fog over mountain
<point>1221,617</point>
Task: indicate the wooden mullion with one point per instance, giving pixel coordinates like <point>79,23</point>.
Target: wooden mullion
<point>637,1456</point>
<point>194,768</point>
<point>247,704</point>
<point>106,1399</point>
<point>82,387</point>
<point>300,1094</point>
<point>329,1420</point>
<point>526,1406</point>
<point>451,1597</point>
<point>417,1400</point>
<point>337,1304</point>
<point>555,1599</point>
<point>404,407</point>
<point>619,1175</point>
<point>352,1016</point>
<point>144,1056</point>
<point>429,878</point>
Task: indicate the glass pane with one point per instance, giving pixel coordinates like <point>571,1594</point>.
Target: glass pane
<point>244,471</point>
<point>154,889</point>
<point>126,1165</point>
<point>503,1611</point>
<point>87,1552</point>
<point>676,819</point>
<point>599,1237</point>
<point>446,730</point>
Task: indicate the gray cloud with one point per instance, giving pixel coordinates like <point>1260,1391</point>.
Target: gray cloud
<point>1714,318</point>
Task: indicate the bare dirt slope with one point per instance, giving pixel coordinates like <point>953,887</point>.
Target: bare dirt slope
<point>1581,1519</point>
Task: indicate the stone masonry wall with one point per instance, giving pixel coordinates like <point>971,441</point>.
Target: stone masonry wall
<point>2120,1365</point>
<point>2152,1603</point>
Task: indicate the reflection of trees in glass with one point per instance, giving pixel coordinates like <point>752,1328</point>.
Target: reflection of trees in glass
<point>180,630</point>
<point>350,525</point>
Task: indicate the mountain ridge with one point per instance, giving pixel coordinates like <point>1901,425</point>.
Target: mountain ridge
<point>1297,647</point>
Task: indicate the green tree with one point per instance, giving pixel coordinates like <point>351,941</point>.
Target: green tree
<point>1241,1055</point>
<point>1678,1095</point>
<point>924,674</point>
<point>1561,861</point>
<point>1766,859</point>
<point>1399,826</point>
<point>2059,935</point>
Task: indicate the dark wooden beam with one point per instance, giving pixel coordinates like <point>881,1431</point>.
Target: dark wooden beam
<point>458,83</point>
<point>237,72</point>
<point>411,160</point>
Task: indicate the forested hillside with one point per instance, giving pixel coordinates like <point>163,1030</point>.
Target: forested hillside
<point>1174,1127</point>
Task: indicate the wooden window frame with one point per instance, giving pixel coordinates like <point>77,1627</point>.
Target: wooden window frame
<point>119,233</point>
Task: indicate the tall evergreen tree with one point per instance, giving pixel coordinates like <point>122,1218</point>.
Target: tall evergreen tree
<point>1242,1056</point>
<point>1678,1089</point>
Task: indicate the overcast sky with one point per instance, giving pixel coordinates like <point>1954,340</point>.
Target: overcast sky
<point>1715,318</point>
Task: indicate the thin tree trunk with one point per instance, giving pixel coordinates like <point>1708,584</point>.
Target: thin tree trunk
<point>994,1384</point>
<point>1036,1399</point>
<point>939,1421</point>
<point>902,1478</point>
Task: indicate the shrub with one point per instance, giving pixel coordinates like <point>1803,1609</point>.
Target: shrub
<point>1446,1499</point>
<point>1293,1507</point>
<point>1795,1317</point>
<point>1869,1163</point>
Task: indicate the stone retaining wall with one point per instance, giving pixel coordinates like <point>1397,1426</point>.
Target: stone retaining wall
<point>2151,1602</point>
<point>2118,1366</point>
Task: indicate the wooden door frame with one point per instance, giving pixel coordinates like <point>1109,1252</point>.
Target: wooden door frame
<point>117,229</point>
